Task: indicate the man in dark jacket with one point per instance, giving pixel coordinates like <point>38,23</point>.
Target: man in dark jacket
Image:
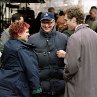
<point>47,42</point>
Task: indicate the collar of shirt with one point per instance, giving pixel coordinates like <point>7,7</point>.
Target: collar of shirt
<point>78,26</point>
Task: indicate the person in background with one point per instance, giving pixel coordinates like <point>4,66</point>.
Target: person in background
<point>91,19</point>
<point>61,26</point>
<point>19,74</point>
<point>37,23</point>
<point>61,12</point>
<point>80,71</point>
<point>5,34</point>
<point>52,10</point>
<point>47,41</point>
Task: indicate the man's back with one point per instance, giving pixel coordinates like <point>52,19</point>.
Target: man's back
<point>82,62</point>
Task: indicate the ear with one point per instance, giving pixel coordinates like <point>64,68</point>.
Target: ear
<point>16,20</point>
<point>19,34</point>
<point>54,23</point>
<point>74,20</point>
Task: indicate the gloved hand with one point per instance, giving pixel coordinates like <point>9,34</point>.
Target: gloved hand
<point>37,91</point>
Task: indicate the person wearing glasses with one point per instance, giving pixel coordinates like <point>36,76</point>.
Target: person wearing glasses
<point>19,74</point>
<point>46,43</point>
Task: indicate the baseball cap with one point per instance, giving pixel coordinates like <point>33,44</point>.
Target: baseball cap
<point>47,16</point>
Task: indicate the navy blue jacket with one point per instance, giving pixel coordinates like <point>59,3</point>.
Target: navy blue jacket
<point>19,74</point>
<point>51,67</point>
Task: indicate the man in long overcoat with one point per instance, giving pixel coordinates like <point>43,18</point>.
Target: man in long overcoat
<point>80,70</point>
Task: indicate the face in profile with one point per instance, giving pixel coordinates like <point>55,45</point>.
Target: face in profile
<point>24,35</point>
<point>61,23</point>
<point>47,25</point>
<point>19,30</point>
<point>93,13</point>
<point>70,23</point>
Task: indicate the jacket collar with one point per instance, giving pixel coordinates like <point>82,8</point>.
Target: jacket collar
<point>27,43</point>
<point>49,34</point>
<point>81,26</point>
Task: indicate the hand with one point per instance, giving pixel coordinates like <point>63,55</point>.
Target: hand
<point>37,91</point>
<point>61,54</point>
